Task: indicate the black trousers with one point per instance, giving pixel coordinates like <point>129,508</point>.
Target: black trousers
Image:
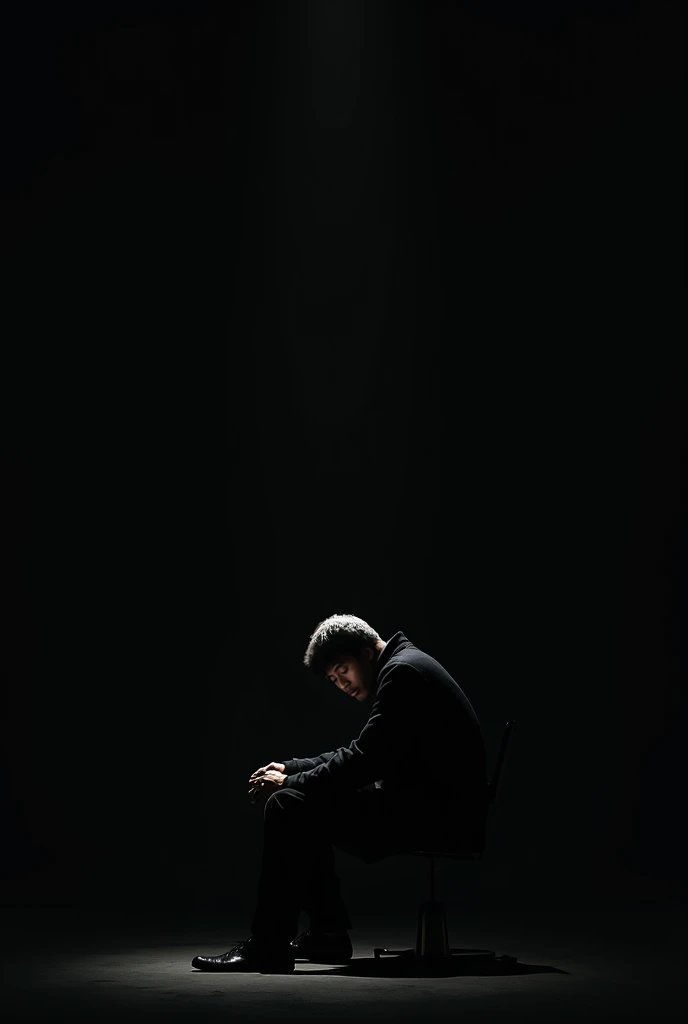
<point>298,866</point>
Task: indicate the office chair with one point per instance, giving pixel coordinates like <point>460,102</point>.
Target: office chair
<point>432,944</point>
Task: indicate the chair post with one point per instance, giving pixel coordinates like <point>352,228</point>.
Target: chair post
<point>431,937</point>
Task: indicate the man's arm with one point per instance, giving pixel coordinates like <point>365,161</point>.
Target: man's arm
<point>304,764</point>
<point>388,734</point>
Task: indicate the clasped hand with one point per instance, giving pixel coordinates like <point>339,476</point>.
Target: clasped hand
<point>266,780</point>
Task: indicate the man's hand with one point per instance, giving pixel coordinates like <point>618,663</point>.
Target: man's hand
<point>274,766</point>
<point>266,783</point>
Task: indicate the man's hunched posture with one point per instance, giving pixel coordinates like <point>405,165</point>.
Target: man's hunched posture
<point>414,779</point>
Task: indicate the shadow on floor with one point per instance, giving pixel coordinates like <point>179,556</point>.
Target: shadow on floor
<point>456,967</point>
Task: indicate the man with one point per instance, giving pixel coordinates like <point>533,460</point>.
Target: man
<point>414,779</point>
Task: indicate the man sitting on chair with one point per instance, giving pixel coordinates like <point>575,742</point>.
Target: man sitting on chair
<point>415,779</point>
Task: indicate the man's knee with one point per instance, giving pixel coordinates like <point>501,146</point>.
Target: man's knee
<point>284,800</point>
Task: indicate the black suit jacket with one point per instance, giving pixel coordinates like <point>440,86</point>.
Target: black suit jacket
<point>422,736</point>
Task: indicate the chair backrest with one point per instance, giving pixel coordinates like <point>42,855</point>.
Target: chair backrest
<point>493,787</point>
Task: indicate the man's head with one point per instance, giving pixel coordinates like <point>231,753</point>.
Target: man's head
<point>345,649</point>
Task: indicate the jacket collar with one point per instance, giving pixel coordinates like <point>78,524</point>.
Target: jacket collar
<point>396,643</point>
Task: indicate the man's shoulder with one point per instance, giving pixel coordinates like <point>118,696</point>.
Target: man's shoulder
<point>411,662</point>
<point>402,663</point>
<point>414,659</point>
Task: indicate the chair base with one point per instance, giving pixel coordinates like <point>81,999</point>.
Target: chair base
<point>432,944</point>
<point>413,954</point>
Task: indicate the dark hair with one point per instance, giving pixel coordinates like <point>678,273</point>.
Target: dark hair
<point>336,636</point>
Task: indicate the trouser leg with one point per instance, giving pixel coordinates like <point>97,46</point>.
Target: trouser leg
<point>297,871</point>
<point>322,898</point>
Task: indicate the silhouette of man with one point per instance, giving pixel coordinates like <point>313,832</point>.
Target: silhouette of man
<point>415,778</point>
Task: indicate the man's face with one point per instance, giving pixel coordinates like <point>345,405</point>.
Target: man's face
<point>354,675</point>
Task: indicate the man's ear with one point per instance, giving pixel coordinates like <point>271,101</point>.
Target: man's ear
<point>369,652</point>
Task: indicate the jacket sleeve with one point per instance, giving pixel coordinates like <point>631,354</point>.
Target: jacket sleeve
<point>303,764</point>
<point>389,733</point>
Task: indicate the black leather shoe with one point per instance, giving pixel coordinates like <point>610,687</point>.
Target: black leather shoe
<point>319,948</point>
<point>249,955</point>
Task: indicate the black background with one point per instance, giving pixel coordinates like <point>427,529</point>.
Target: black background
<point>317,307</point>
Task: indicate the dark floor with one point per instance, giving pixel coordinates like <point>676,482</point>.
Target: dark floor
<point>611,966</point>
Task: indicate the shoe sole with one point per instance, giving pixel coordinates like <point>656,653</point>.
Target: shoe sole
<point>264,967</point>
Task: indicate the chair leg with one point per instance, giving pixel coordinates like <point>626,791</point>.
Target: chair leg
<point>431,935</point>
